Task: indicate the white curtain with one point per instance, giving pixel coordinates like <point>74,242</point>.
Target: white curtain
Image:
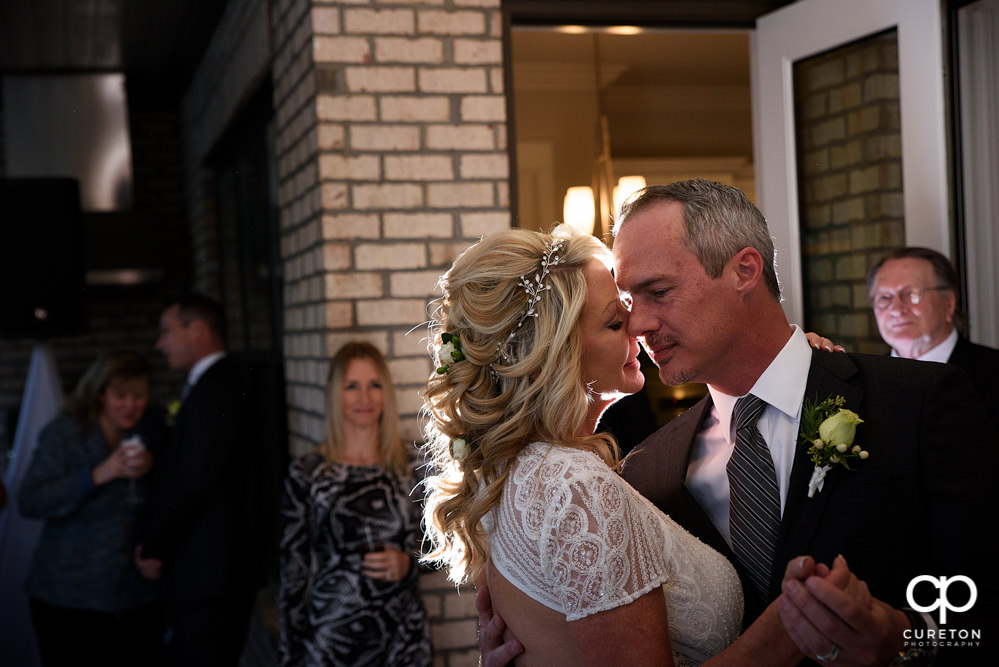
<point>41,402</point>
<point>978,49</point>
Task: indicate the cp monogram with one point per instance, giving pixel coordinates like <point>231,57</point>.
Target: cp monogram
<point>942,584</point>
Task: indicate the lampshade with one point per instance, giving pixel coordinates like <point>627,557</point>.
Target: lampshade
<point>626,186</point>
<point>579,209</point>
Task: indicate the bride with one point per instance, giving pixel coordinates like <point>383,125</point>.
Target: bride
<point>532,348</point>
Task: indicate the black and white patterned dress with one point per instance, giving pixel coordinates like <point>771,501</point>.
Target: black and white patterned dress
<point>331,613</point>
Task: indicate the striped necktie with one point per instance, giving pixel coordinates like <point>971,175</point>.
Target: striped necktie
<point>754,501</point>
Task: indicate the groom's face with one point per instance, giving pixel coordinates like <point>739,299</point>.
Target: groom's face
<point>677,310</point>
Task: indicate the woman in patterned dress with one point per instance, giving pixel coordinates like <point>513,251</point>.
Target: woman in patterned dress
<point>349,591</point>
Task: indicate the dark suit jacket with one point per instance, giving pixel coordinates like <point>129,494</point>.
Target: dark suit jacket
<point>918,505</point>
<point>201,514</point>
<point>981,363</point>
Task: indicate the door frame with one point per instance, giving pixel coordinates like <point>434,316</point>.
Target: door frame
<point>810,27</point>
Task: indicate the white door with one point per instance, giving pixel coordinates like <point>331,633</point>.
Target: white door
<point>811,27</point>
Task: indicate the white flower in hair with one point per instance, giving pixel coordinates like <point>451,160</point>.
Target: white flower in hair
<point>459,449</point>
<point>449,352</point>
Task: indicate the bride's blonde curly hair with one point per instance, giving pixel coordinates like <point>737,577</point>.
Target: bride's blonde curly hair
<point>506,392</point>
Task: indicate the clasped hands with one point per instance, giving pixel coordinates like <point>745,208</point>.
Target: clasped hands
<point>831,615</point>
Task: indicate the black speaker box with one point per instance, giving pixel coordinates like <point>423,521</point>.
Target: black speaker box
<point>42,287</point>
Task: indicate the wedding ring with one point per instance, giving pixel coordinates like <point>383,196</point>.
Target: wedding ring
<point>830,656</point>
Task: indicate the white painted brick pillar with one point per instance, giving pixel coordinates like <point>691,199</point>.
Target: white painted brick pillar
<point>391,150</point>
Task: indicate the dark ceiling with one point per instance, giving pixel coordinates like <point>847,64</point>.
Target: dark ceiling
<point>153,40</point>
<point>157,43</point>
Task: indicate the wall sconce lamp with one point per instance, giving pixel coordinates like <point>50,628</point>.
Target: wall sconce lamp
<point>579,209</point>
<point>626,186</point>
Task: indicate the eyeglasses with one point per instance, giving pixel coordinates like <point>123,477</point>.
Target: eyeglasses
<point>909,296</point>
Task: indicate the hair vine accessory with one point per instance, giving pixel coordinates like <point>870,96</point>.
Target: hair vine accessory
<point>449,352</point>
<point>534,289</point>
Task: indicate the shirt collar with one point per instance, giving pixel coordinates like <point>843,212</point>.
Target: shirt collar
<point>202,365</point>
<point>941,352</point>
<point>781,385</point>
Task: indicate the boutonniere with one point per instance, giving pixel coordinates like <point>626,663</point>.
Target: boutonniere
<point>829,429</point>
<point>173,407</point>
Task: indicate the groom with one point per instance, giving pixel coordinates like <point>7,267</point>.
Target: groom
<point>697,260</point>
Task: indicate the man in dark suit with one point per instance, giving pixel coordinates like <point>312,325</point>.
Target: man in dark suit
<point>697,260</point>
<point>915,294</point>
<point>201,517</point>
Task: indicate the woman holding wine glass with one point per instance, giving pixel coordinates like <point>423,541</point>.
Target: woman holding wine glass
<point>349,592</point>
<point>87,598</point>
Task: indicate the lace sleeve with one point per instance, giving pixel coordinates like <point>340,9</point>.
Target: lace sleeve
<point>574,536</point>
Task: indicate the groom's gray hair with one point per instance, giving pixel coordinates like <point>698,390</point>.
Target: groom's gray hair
<point>719,221</point>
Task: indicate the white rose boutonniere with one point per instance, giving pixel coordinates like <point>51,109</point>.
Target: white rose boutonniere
<point>829,430</point>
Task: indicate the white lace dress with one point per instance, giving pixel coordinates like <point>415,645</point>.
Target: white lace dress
<point>574,536</point>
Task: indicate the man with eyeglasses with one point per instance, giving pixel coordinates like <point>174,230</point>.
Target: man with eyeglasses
<point>914,292</point>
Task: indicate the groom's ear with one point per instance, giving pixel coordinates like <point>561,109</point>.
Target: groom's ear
<point>746,270</point>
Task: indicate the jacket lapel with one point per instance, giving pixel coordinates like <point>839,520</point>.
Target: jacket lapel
<point>802,515</point>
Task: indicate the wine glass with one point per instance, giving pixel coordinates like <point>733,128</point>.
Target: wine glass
<point>370,542</point>
<point>133,445</point>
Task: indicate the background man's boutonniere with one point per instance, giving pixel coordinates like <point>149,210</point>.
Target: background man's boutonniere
<point>829,429</point>
<point>173,407</point>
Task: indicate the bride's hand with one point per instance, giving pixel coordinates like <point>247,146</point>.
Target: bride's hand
<point>840,576</point>
<point>820,343</point>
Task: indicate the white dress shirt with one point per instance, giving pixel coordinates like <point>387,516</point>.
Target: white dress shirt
<point>782,386</point>
<point>941,353</point>
<point>201,366</point>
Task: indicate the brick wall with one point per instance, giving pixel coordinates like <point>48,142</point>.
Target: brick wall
<point>392,158</point>
<point>850,170</point>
